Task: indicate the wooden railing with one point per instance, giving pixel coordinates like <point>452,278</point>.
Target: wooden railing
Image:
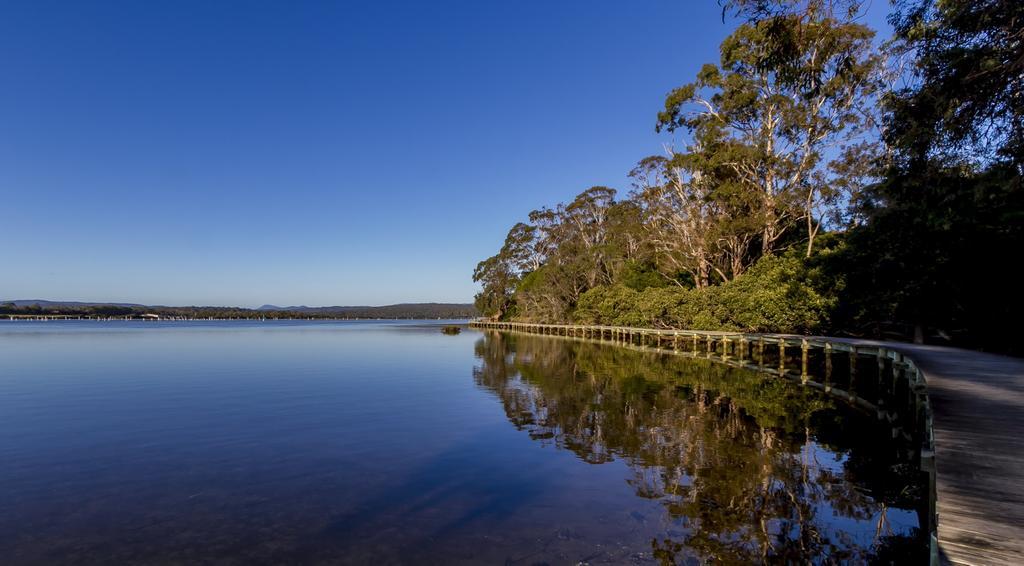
<point>895,390</point>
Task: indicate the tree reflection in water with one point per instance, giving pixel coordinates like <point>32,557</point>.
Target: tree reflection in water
<point>749,468</point>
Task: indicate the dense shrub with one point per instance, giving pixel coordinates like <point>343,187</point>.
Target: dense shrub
<point>617,305</point>
<point>778,294</point>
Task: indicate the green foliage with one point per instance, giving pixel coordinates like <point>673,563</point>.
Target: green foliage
<point>901,236</point>
<point>967,98</point>
<point>779,294</point>
<point>640,275</point>
<point>924,260</point>
<point>776,295</point>
<point>938,230</point>
<point>793,93</point>
<point>613,305</point>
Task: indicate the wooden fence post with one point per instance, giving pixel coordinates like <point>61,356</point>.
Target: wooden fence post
<point>828,367</point>
<point>853,370</point>
<point>803,360</point>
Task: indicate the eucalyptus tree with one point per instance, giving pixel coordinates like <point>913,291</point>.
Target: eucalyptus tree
<point>700,221</point>
<point>498,281</point>
<point>678,219</point>
<point>626,242</point>
<point>587,231</point>
<point>578,253</point>
<point>523,248</point>
<point>500,274</point>
<point>793,88</point>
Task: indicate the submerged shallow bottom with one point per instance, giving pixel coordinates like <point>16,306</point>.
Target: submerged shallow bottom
<point>319,442</point>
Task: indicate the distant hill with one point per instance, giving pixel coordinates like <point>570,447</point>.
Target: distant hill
<point>404,310</point>
<point>64,304</point>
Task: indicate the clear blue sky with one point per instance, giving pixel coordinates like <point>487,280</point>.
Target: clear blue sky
<point>321,153</point>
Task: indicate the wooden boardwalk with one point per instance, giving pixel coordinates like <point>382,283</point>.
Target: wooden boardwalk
<point>978,424</point>
<point>973,407</point>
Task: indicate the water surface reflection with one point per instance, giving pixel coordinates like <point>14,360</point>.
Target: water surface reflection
<point>746,468</point>
<point>391,443</point>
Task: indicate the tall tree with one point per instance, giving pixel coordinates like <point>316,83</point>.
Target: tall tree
<point>501,273</point>
<point>965,99</point>
<point>951,204</point>
<point>794,87</point>
<point>698,217</point>
<point>578,254</point>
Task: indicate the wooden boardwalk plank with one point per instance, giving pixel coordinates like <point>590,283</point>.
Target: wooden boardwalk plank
<point>977,403</point>
<point>978,406</point>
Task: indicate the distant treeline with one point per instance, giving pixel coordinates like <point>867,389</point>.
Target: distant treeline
<point>409,311</point>
<point>824,184</point>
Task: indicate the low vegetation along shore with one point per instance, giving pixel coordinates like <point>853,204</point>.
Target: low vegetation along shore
<point>829,183</point>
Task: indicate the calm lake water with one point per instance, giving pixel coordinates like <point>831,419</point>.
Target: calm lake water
<point>391,443</point>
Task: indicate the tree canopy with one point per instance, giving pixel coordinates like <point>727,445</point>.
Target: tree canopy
<point>824,183</point>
